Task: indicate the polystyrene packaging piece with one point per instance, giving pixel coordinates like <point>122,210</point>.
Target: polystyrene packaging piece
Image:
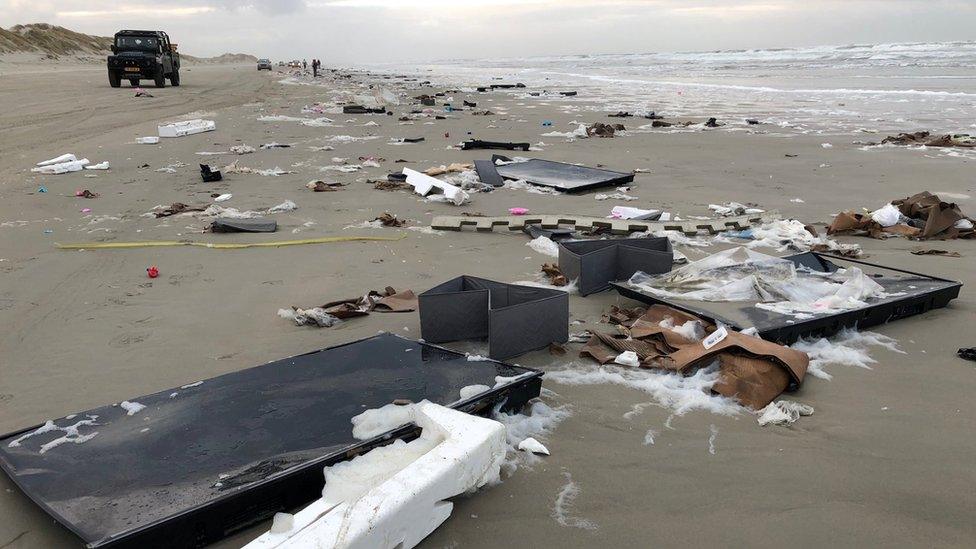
<point>423,184</point>
<point>371,506</point>
<point>61,167</point>
<point>67,157</point>
<point>887,216</point>
<point>187,127</point>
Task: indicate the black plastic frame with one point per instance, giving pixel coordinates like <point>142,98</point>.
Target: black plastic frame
<point>786,333</point>
<point>286,490</point>
<point>542,172</point>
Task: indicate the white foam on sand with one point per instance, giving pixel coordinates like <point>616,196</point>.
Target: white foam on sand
<point>783,412</point>
<point>677,393</point>
<point>426,230</point>
<point>848,348</point>
<point>350,138</point>
<point>132,408</point>
<point>537,420</point>
<point>562,508</point>
<point>649,437</point>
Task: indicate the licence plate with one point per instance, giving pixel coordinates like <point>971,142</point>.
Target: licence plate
<point>132,69</point>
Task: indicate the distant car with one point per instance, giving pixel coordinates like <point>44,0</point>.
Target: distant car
<point>264,64</point>
<point>143,55</point>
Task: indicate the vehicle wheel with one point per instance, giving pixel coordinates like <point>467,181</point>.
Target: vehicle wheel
<point>160,78</point>
<point>174,79</point>
<point>114,79</point>
<point>134,82</point>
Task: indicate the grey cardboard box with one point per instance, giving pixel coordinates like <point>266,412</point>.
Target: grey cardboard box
<point>514,319</point>
<point>597,263</point>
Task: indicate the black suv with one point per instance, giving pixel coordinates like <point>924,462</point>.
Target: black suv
<point>140,54</point>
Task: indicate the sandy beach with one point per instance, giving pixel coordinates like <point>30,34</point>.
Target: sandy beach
<point>884,461</point>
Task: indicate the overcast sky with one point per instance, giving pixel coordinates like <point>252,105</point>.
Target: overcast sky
<point>375,31</point>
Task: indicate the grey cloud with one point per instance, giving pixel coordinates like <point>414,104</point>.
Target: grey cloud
<point>268,7</point>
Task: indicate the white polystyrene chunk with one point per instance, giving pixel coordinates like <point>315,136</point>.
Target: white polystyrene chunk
<point>532,445</point>
<point>627,358</point>
<point>67,157</point>
<point>150,140</point>
<point>370,506</point>
<point>63,167</point>
<point>186,127</point>
<point>886,216</point>
<point>626,212</point>
<point>422,184</point>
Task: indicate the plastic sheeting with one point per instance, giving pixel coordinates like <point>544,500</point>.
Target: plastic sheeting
<point>740,274</point>
<point>796,296</point>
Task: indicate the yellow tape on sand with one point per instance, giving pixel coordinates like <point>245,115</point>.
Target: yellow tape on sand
<point>221,245</point>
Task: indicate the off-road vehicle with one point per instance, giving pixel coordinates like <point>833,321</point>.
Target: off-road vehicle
<point>141,54</point>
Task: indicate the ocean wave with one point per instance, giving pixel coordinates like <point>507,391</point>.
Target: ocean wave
<point>767,89</point>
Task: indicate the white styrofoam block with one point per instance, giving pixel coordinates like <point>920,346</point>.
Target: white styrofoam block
<point>187,127</point>
<point>626,212</point>
<point>532,445</point>
<point>63,167</point>
<point>456,453</point>
<point>150,140</point>
<point>422,184</point>
<point>67,157</point>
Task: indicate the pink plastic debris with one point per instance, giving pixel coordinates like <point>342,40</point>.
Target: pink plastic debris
<point>518,211</point>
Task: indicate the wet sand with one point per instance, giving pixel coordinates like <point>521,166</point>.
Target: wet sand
<point>885,460</point>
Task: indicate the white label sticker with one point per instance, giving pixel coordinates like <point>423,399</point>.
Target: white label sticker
<point>716,338</point>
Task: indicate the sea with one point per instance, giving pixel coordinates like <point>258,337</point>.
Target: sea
<point>830,90</point>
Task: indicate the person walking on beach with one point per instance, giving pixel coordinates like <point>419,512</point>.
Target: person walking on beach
<point>304,64</point>
<point>315,68</point>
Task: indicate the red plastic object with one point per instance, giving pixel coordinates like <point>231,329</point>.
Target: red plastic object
<point>153,272</point>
